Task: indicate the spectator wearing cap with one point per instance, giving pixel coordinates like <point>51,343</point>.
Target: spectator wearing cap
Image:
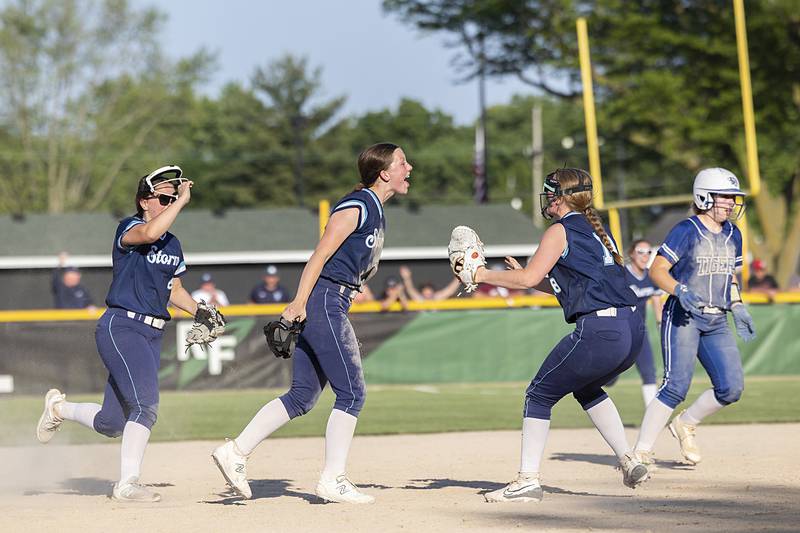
<point>68,292</point>
<point>760,280</point>
<point>270,291</point>
<point>209,293</point>
<point>393,291</point>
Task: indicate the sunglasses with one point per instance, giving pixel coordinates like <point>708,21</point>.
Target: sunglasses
<point>163,199</point>
<point>644,251</point>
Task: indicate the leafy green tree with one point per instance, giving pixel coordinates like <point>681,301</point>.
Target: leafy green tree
<point>667,86</point>
<point>291,88</point>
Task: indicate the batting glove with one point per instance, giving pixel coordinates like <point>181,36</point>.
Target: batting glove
<point>689,300</point>
<point>743,322</point>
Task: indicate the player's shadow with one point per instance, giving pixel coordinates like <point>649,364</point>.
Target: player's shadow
<point>87,486</point>
<point>264,489</point>
<point>610,460</point>
<point>82,486</point>
<point>482,486</point>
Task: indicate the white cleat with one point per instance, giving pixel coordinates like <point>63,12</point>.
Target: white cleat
<point>634,472</point>
<point>342,490</point>
<point>647,458</point>
<point>49,422</point>
<point>522,489</point>
<point>233,465</point>
<point>685,435</point>
<point>133,491</point>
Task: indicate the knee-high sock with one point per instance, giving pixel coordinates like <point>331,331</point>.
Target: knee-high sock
<point>83,413</point>
<point>648,393</point>
<point>605,418</point>
<point>655,418</point>
<point>267,420</point>
<point>134,442</point>
<point>338,436</point>
<point>534,437</point>
<point>705,404</point>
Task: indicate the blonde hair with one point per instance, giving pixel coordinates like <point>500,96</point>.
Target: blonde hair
<point>569,178</point>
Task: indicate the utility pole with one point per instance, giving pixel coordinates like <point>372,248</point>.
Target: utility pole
<point>537,163</point>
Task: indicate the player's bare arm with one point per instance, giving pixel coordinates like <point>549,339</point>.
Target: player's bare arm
<point>160,220</point>
<point>341,224</point>
<point>180,297</point>
<point>659,273</point>
<point>550,249</point>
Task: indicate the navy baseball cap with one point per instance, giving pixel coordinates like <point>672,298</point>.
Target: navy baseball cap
<point>271,270</point>
<point>206,277</point>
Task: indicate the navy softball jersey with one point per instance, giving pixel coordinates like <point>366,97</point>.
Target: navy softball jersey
<point>643,287</point>
<point>585,278</point>
<point>142,275</point>
<point>357,258</point>
<point>129,347</point>
<point>328,351</point>
<point>608,333</point>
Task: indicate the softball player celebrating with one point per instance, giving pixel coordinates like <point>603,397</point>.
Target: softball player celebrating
<point>583,269</point>
<point>636,272</point>
<point>327,351</point>
<point>147,265</point>
<point>696,265</point>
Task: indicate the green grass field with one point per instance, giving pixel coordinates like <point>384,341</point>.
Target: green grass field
<point>396,409</point>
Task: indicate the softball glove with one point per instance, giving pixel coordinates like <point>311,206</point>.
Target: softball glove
<point>466,255</point>
<point>209,324</point>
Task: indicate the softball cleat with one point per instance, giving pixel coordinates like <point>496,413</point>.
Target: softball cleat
<point>341,490</point>
<point>685,434</point>
<point>521,489</point>
<point>634,472</point>
<point>49,422</point>
<point>133,491</point>
<point>233,465</point>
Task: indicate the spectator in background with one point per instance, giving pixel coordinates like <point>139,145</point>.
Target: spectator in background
<point>68,293</point>
<point>393,292</point>
<point>270,291</point>
<point>760,280</point>
<point>365,295</point>
<point>427,291</point>
<point>209,293</point>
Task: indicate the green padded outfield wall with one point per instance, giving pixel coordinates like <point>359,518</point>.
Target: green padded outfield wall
<point>510,345</point>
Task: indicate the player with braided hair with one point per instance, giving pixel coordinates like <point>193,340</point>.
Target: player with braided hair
<point>579,263</point>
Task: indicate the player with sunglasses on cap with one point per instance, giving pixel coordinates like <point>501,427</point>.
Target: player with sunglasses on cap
<point>147,264</point>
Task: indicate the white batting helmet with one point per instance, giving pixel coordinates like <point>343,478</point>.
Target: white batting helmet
<point>710,181</point>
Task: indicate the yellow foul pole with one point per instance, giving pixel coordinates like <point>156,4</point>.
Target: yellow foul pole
<point>591,129</point>
<point>324,215</point>
<point>753,174</point>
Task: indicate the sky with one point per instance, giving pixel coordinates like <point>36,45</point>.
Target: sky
<point>374,59</point>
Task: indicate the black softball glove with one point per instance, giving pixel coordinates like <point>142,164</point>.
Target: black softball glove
<point>282,336</point>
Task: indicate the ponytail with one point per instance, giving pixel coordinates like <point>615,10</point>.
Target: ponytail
<point>594,219</point>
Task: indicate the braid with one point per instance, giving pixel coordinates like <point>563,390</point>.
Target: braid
<point>594,219</point>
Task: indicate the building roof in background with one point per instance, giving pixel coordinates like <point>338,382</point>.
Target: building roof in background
<point>260,235</point>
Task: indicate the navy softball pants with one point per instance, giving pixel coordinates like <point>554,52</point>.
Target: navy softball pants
<point>131,351</point>
<point>598,350</point>
<point>326,352</point>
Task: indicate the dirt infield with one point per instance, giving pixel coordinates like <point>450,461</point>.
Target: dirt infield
<point>749,481</point>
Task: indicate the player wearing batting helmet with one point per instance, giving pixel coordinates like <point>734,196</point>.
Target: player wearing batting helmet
<point>697,265</point>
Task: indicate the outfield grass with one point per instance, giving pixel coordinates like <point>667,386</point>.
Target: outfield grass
<point>396,409</point>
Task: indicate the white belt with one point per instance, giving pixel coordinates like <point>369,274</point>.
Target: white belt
<point>710,310</point>
<point>347,291</point>
<point>152,321</point>
<point>610,311</point>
